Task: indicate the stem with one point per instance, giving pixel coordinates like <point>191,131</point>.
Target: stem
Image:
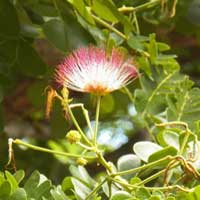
<point>95,189</point>
<point>149,165</point>
<point>107,25</point>
<point>139,8</point>
<point>20,142</point>
<point>184,143</point>
<point>130,96</point>
<point>154,176</point>
<point>104,162</point>
<point>78,127</point>
<point>167,188</point>
<point>86,115</point>
<point>174,123</point>
<point>97,119</point>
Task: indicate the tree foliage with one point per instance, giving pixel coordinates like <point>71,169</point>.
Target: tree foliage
<point>165,101</point>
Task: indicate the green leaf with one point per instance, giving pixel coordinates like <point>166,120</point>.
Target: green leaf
<point>19,175</point>
<point>32,183</point>
<point>58,194</point>
<point>145,148</point>
<point>5,190</point>
<point>119,195</point>
<point>103,11</point>
<point>168,138</point>
<point>113,9</point>
<point>81,190</point>
<point>81,8</point>
<point>155,198</point>
<point>66,184</point>
<point>184,104</point>
<point>163,153</point>
<point>11,180</point>
<point>151,99</point>
<point>153,49</point>
<point>42,189</point>
<point>127,162</point>
<point>29,61</point>
<point>19,194</point>
<point>56,32</point>
<point>135,180</point>
<point>81,174</point>
<point>96,32</point>
<point>162,46</point>
<point>142,193</point>
<point>135,43</point>
<point>144,64</point>
<point>8,19</point>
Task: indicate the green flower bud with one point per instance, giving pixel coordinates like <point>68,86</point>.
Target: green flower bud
<point>81,161</point>
<point>73,136</point>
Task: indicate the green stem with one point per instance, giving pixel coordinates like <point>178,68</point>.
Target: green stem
<point>149,165</point>
<point>139,8</point>
<point>78,127</point>
<point>154,176</point>
<point>95,189</point>
<point>184,143</point>
<point>86,115</point>
<point>20,142</point>
<point>130,96</point>
<point>97,119</point>
<point>104,162</point>
<point>167,188</point>
<point>107,25</point>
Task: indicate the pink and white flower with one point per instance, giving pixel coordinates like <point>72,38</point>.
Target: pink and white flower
<point>91,70</point>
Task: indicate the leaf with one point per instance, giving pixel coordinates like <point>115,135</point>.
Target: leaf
<point>42,189</point>
<point>144,64</point>
<point>81,8</point>
<point>163,153</point>
<point>58,194</point>
<point>66,184</point>
<point>5,190</point>
<point>154,198</point>
<point>142,193</point>
<point>168,138</point>
<point>162,46</point>
<point>113,9</point>
<point>55,31</point>
<point>32,183</point>
<point>119,195</point>
<point>8,19</point>
<point>184,104</point>
<point>153,49</point>
<point>127,162</point>
<point>81,174</point>
<point>11,180</point>
<point>96,32</point>
<point>145,148</point>
<point>19,194</point>
<point>81,190</point>
<point>19,175</point>
<point>151,99</point>
<point>29,61</point>
<point>103,11</point>
<point>135,43</point>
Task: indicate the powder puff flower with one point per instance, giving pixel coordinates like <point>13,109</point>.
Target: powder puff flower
<point>91,70</point>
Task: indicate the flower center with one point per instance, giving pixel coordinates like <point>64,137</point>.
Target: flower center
<point>97,89</point>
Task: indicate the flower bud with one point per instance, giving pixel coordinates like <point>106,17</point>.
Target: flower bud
<point>81,161</point>
<point>73,136</point>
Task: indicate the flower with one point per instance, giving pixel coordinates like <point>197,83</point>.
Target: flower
<point>90,69</point>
